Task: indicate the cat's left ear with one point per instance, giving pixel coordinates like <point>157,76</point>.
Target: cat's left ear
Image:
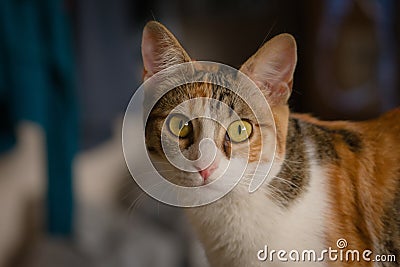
<point>160,49</point>
<point>272,68</point>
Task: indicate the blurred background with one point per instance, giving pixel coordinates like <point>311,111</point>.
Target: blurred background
<point>68,70</point>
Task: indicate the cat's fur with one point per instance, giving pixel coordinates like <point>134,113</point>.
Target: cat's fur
<point>332,179</point>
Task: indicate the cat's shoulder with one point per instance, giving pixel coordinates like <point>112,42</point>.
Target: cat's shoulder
<point>388,122</point>
<point>390,118</point>
<point>382,132</point>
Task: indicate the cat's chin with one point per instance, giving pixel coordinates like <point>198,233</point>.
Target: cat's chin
<point>186,181</point>
<point>193,182</point>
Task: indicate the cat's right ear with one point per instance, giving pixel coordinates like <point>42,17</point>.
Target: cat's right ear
<point>160,49</point>
<point>272,68</point>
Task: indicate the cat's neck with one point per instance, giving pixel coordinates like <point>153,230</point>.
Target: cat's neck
<point>294,176</point>
<point>288,208</point>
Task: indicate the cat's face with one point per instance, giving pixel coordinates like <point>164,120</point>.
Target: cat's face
<point>234,134</point>
<point>229,123</point>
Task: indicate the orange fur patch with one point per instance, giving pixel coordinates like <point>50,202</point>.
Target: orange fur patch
<point>362,184</point>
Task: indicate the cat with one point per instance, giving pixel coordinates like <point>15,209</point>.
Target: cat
<point>333,181</point>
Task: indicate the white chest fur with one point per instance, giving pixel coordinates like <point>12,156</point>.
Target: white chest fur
<point>236,227</point>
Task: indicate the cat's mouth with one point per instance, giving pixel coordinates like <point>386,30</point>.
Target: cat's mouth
<point>208,171</point>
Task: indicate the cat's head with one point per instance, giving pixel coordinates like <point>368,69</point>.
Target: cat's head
<point>271,68</point>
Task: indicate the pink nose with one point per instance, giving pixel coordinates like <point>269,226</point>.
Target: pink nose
<point>208,171</point>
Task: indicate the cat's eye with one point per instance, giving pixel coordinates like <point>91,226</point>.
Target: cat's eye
<point>179,125</point>
<point>239,131</point>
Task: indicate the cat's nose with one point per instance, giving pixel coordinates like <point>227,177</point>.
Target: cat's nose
<point>205,173</point>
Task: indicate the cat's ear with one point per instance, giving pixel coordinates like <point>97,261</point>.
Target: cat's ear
<point>272,68</point>
<point>160,49</point>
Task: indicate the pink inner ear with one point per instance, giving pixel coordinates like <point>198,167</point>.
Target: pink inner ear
<point>272,68</point>
<point>149,53</point>
<point>160,49</point>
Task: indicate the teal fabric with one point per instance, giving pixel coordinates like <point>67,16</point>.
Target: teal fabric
<point>37,83</point>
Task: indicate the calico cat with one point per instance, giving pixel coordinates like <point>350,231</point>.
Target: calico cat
<point>332,180</point>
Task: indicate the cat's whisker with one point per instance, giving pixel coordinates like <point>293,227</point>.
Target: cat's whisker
<point>280,192</point>
<point>142,196</point>
<point>288,165</point>
<point>135,203</point>
<point>258,171</point>
<point>271,194</point>
<point>268,34</point>
<point>275,189</point>
<point>290,183</point>
<point>252,175</point>
<point>128,193</point>
<point>249,177</point>
<point>286,181</point>
<point>284,160</point>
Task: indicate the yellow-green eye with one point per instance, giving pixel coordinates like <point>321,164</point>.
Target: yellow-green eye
<point>179,125</point>
<point>239,131</point>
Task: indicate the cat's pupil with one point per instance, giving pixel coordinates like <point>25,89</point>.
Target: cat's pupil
<point>239,129</point>
<point>227,138</point>
<point>180,124</point>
